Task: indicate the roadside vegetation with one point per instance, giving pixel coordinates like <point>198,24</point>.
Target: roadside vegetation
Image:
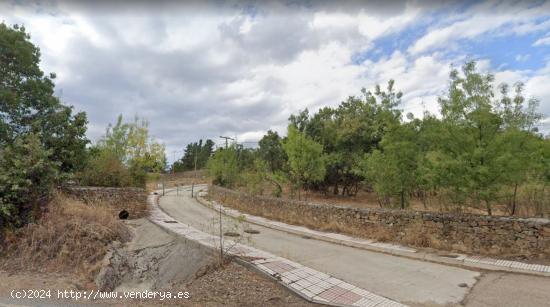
<point>125,157</point>
<point>43,145</point>
<point>481,153</point>
<point>70,238</point>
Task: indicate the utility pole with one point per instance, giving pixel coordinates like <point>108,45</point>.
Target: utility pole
<point>220,207</point>
<point>173,161</point>
<point>226,138</point>
<point>195,175</point>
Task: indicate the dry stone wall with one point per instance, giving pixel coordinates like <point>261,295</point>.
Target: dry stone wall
<point>133,200</point>
<point>478,234</point>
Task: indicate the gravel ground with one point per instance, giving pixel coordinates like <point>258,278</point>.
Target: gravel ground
<point>235,285</point>
<point>232,285</point>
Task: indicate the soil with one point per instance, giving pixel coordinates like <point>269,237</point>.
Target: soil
<point>157,261</point>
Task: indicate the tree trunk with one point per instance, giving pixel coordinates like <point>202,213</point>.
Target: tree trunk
<point>424,197</point>
<point>402,199</point>
<point>489,210</point>
<point>514,199</point>
<point>335,191</point>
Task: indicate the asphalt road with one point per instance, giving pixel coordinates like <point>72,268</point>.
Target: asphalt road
<point>412,282</point>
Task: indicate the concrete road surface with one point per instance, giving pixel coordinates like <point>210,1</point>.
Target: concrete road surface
<point>412,282</point>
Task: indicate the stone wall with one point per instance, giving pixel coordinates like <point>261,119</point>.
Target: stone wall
<point>134,200</point>
<point>478,234</point>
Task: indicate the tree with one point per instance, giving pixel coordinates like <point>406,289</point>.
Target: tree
<point>41,141</point>
<point>393,168</point>
<point>271,151</point>
<point>224,166</point>
<point>135,152</point>
<point>483,137</point>
<point>195,154</point>
<point>29,105</point>
<point>305,158</point>
<point>26,179</point>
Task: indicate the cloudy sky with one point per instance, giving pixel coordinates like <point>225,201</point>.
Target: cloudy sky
<point>240,68</point>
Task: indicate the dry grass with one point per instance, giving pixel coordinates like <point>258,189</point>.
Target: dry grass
<point>178,179</point>
<point>71,237</point>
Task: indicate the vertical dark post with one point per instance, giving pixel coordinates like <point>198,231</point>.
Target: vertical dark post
<point>221,233</point>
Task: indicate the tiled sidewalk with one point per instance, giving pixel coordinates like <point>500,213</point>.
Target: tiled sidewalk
<point>313,285</point>
<point>473,261</point>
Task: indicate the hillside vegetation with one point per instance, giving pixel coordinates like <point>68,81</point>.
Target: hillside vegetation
<point>481,150</point>
<point>43,142</point>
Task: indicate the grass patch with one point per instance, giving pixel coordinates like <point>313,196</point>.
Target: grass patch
<point>71,237</point>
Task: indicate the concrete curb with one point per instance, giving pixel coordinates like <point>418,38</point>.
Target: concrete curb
<point>457,260</point>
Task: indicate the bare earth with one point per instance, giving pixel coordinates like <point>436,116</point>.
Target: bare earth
<point>232,285</point>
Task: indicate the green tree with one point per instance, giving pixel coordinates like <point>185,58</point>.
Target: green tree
<point>41,141</point>
<point>271,151</point>
<point>29,105</point>
<point>483,142</point>
<point>305,158</point>
<point>133,148</point>
<point>195,153</point>
<point>223,167</point>
<point>26,179</point>
<point>393,168</point>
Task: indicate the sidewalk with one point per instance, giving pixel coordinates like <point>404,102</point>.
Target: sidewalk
<point>460,260</point>
<point>310,284</point>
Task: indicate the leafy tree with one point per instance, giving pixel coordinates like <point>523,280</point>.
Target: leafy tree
<point>129,150</point>
<point>26,180</point>
<point>224,166</point>
<point>41,141</point>
<point>393,168</point>
<point>195,153</point>
<point>305,158</point>
<point>104,168</point>
<point>29,105</point>
<point>485,143</point>
<point>271,150</point>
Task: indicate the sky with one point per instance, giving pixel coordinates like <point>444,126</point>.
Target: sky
<point>238,68</point>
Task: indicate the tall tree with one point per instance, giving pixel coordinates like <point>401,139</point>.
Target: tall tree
<point>271,150</point>
<point>30,106</point>
<point>41,141</point>
<point>305,158</point>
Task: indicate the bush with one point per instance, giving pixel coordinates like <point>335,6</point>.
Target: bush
<point>71,237</point>
<point>26,178</point>
<point>104,169</point>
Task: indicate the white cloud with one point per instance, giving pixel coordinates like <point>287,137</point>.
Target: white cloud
<point>373,26</point>
<point>543,41</point>
<point>204,71</point>
<point>483,18</point>
<point>522,57</point>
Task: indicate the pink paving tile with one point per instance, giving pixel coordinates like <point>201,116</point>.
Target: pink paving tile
<point>347,298</point>
<point>279,266</point>
<point>332,293</point>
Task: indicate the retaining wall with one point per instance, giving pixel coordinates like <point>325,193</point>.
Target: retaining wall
<point>133,200</point>
<point>487,235</point>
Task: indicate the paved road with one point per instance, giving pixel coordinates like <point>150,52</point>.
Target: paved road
<point>413,282</point>
<point>401,279</point>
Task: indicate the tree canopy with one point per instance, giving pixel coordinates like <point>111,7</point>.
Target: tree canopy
<point>41,141</point>
<point>482,148</point>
